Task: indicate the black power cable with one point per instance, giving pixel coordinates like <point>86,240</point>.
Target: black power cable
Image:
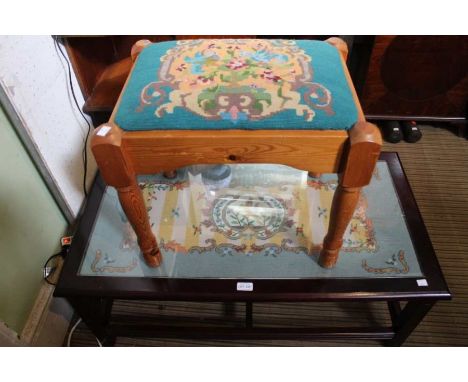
<point>49,268</point>
<point>84,152</point>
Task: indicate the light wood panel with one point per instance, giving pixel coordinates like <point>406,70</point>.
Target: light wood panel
<point>156,151</point>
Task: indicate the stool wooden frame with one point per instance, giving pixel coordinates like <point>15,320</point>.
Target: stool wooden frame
<point>122,155</point>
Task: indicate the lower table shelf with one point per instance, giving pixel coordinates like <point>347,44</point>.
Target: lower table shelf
<point>389,257</point>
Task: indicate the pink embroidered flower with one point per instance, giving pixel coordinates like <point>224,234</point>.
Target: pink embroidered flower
<point>236,64</point>
<point>316,185</point>
<point>268,75</point>
<point>179,185</point>
<point>202,80</point>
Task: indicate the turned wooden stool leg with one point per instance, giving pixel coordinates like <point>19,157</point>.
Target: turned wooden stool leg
<point>342,210</point>
<point>170,174</point>
<point>117,170</point>
<point>358,166</point>
<point>133,205</point>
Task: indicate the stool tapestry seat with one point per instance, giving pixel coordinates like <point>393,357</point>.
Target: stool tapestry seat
<point>237,84</point>
<point>238,101</point>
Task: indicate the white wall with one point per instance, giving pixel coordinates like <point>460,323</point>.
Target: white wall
<point>36,82</point>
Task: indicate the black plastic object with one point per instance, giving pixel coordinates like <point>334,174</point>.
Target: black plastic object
<point>391,131</point>
<point>411,131</point>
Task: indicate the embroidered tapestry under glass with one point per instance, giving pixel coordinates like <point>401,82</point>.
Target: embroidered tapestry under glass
<point>254,221</point>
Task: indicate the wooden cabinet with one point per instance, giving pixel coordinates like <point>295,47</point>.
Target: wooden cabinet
<point>102,64</point>
<point>417,77</point>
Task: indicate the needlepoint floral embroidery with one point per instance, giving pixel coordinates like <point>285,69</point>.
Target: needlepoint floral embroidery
<point>236,80</point>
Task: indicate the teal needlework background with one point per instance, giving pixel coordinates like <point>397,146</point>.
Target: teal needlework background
<point>377,243</point>
<point>319,60</point>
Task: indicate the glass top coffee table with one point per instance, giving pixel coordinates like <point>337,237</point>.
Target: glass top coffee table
<point>252,233</point>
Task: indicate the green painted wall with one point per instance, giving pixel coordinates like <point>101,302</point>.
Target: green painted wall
<point>30,228</point>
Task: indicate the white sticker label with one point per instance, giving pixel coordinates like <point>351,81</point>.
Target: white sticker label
<point>245,287</point>
<point>414,128</point>
<point>103,131</point>
<point>422,282</point>
<point>396,129</point>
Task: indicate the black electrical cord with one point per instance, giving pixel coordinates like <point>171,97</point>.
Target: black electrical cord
<point>84,152</point>
<point>47,270</point>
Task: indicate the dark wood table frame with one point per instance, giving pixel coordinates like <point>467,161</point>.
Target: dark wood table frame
<point>92,296</point>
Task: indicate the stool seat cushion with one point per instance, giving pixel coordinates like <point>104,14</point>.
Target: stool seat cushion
<point>237,84</point>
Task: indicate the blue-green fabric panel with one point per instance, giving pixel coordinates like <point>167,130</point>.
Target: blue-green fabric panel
<point>327,70</point>
<point>383,208</point>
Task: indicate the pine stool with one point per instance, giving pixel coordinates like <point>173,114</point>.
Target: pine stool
<point>238,101</point>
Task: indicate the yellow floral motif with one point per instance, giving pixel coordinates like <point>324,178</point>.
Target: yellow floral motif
<point>237,80</point>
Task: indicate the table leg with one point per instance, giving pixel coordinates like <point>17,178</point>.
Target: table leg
<point>408,319</point>
<point>95,313</point>
<point>462,128</point>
